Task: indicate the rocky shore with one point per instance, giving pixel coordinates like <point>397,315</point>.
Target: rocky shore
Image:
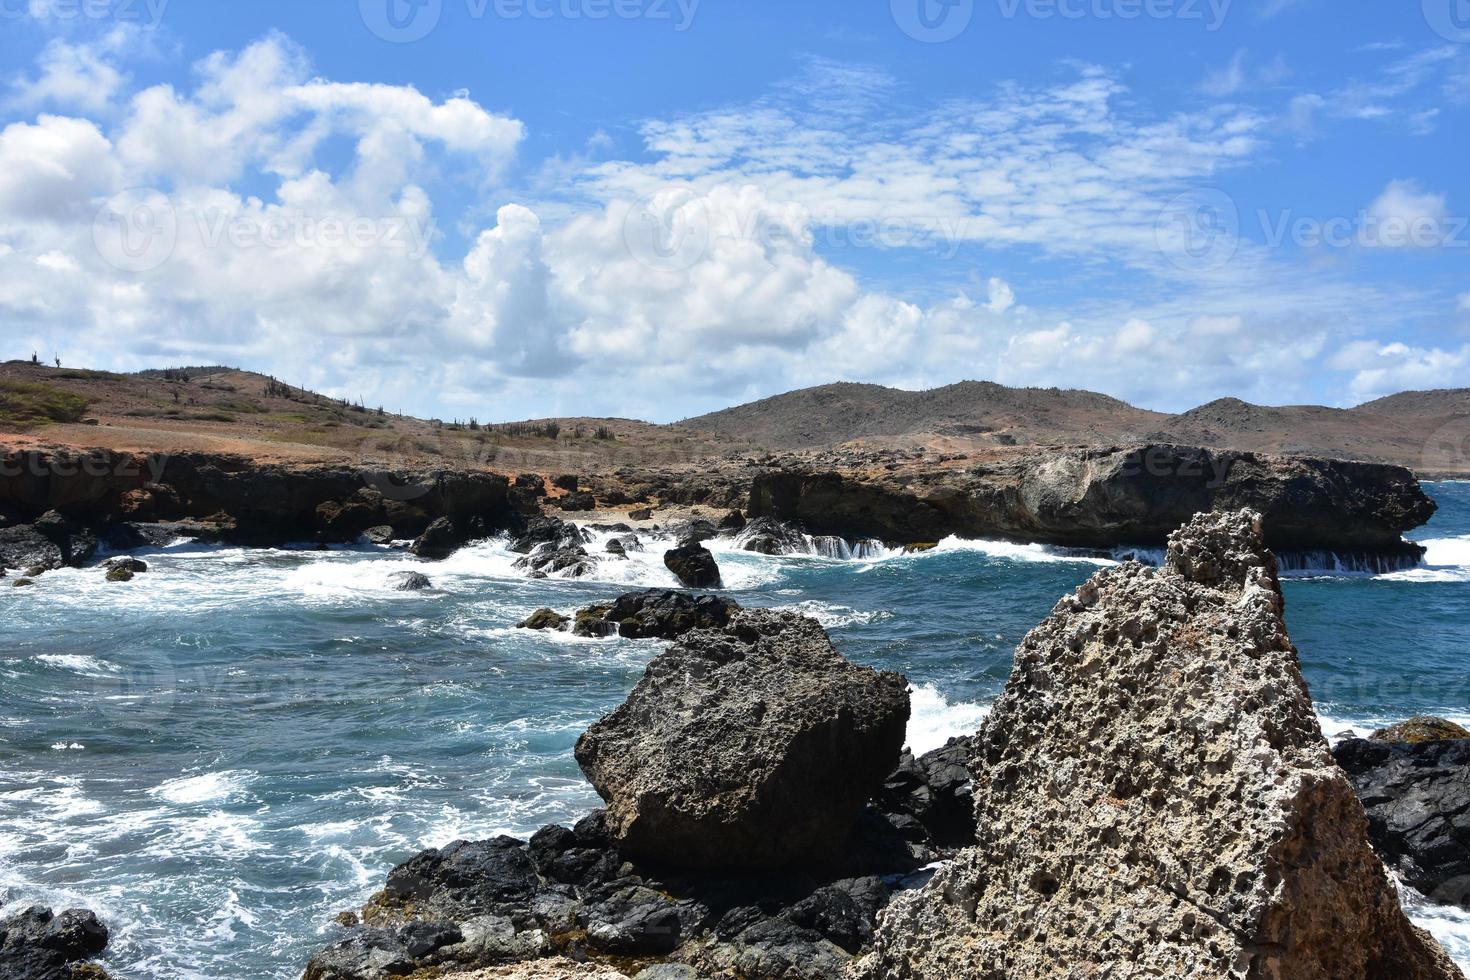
<point>1151,790</point>
<point>56,508</point>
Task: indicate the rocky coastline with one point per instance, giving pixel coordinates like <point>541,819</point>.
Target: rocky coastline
<point>57,508</point>
<point>1151,789</point>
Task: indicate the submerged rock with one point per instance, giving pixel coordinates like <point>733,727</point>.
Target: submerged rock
<point>754,746</point>
<point>548,533</point>
<point>572,562</point>
<point>1418,800</point>
<point>543,619</point>
<point>1154,797</point>
<point>411,582</point>
<point>1421,729</point>
<point>36,944</point>
<point>695,566</point>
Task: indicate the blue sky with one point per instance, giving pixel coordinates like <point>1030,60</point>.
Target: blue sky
<point>656,208</point>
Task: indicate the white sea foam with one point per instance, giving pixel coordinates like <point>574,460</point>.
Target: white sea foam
<point>211,787</point>
<point>1445,560</point>
<point>935,720</point>
<point>1011,551</point>
<point>79,663</point>
<point>1447,923</point>
<point>1334,725</point>
<point>835,616</point>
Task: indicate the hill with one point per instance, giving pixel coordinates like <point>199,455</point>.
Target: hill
<point>228,410</point>
<point>1428,431</point>
<point>971,410</point>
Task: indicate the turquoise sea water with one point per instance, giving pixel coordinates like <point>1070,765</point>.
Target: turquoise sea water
<point>221,755</point>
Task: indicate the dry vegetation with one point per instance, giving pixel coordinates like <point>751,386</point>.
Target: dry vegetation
<point>223,409</point>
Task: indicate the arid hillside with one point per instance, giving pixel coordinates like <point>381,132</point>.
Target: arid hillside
<point>1428,431</point>
<point>228,411</point>
<point>225,410</point>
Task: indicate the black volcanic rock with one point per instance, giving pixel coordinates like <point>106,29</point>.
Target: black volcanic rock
<point>695,566</point>
<point>1099,498</point>
<point>658,614</point>
<point>439,541</point>
<point>549,533</point>
<point>36,944</point>
<point>1418,800</point>
<point>754,746</point>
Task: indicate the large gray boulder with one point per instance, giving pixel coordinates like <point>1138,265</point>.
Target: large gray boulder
<point>1154,798</point>
<point>752,746</point>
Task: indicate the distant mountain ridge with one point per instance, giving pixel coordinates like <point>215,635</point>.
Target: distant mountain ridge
<point>1428,431</point>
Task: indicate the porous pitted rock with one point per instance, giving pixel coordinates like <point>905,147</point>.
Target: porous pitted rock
<point>754,746</point>
<point>1421,729</point>
<point>543,619</point>
<point>1418,802</point>
<point>662,614</point>
<point>36,944</point>
<point>1154,798</point>
<point>695,566</point>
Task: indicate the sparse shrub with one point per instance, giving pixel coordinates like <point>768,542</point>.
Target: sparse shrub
<point>24,403</point>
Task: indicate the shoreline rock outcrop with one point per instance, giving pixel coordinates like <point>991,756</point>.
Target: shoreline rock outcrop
<point>1105,497</point>
<point>1417,795</point>
<point>37,944</point>
<point>754,746</point>
<point>1154,796</point>
<point>695,566</point>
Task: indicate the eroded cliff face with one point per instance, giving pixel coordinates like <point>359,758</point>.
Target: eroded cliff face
<point>1154,798</point>
<point>254,504</point>
<point>1106,497</point>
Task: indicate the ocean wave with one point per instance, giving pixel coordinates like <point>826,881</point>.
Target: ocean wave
<point>209,787</point>
<point>1011,551</point>
<point>835,616</point>
<point>79,663</point>
<point>1445,560</point>
<point>935,719</point>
